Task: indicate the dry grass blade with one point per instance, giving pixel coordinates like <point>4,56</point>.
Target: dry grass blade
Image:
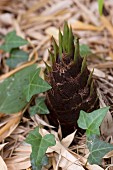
<point>7,129</point>
<point>35,7</point>
<point>89,13</point>
<point>107,24</point>
<point>77,25</point>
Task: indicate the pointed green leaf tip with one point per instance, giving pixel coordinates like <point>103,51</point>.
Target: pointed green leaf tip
<point>66,44</point>
<point>92,121</point>
<point>60,44</point>
<point>84,65</point>
<point>91,88</point>
<point>55,47</point>
<point>71,42</point>
<point>65,37</point>
<point>49,69</point>
<point>90,77</point>
<point>52,57</point>
<point>77,51</point>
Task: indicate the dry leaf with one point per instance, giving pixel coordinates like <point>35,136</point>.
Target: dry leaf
<point>108,155</point>
<point>39,121</point>
<point>106,127</point>
<point>2,164</point>
<point>68,139</point>
<point>10,126</point>
<point>2,145</point>
<point>67,165</point>
<point>61,150</point>
<point>97,72</point>
<point>59,132</point>
<point>21,160</point>
<point>94,167</point>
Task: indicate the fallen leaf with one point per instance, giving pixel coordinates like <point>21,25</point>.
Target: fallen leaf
<point>10,126</point>
<point>106,127</point>
<point>2,164</point>
<point>67,165</point>
<point>68,139</point>
<point>108,155</point>
<point>2,145</point>
<point>39,121</point>
<point>61,150</point>
<point>94,167</point>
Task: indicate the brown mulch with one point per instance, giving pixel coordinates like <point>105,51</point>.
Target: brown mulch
<point>37,21</point>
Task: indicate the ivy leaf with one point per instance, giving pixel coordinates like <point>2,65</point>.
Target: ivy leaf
<point>36,85</point>
<point>92,121</point>
<point>98,149</point>
<point>11,91</point>
<point>85,50</point>
<point>39,107</point>
<point>100,6</point>
<point>17,56</point>
<point>39,146</point>
<point>12,41</point>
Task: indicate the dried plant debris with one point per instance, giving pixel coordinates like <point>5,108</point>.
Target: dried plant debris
<point>37,21</point>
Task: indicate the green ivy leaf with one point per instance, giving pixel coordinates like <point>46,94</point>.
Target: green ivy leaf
<point>98,149</point>
<point>36,85</point>
<point>12,41</point>
<point>17,56</point>
<point>100,6</point>
<point>92,121</point>
<point>39,107</point>
<point>85,50</point>
<point>39,146</point>
<point>11,91</point>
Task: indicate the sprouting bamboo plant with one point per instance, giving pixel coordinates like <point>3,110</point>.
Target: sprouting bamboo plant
<point>73,88</point>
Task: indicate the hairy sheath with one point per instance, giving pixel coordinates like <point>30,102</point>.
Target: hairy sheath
<point>73,88</point>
